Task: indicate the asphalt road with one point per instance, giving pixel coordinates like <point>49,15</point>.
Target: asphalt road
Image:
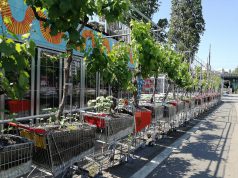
<point>211,151</point>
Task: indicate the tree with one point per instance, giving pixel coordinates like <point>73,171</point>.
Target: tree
<point>162,33</point>
<point>216,79</point>
<point>186,26</point>
<point>197,77</point>
<point>69,18</point>
<point>147,7</point>
<point>120,75</point>
<point>112,66</point>
<point>14,66</point>
<point>235,71</point>
<point>145,54</point>
<point>204,82</point>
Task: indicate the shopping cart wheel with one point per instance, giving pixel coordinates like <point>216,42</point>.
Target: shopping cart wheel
<point>82,172</point>
<point>129,159</point>
<point>126,159</point>
<point>99,175</point>
<point>67,173</point>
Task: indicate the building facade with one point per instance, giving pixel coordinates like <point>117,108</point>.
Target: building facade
<point>46,75</point>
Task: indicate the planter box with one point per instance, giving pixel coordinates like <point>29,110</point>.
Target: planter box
<point>57,150</point>
<point>156,109</point>
<point>179,105</point>
<point>187,104</point>
<point>142,119</point>
<point>199,101</point>
<point>192,104</point>
<point>111,128</point>
<point>16,106</point>
<point>16,160</point>
<point>169,111</point>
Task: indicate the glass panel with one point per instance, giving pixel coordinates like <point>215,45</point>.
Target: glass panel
<point>104,88</point>
<point>125,95</point>
<point>74,89</point>
<point>49,81</point>
<point>90,86</point>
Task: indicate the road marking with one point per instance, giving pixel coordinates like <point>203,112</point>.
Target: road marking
<point>150,166</point>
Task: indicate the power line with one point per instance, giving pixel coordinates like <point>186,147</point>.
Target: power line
<point>143,15</point>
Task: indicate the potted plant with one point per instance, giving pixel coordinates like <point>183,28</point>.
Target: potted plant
<point>114,71</point>
<point>59,146</point>
<point>15,151</point>
<point>15,156</point>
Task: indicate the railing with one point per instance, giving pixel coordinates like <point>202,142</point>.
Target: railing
<point>42,115</point>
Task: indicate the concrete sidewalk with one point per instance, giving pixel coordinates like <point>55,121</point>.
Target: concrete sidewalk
<point>212,151</point>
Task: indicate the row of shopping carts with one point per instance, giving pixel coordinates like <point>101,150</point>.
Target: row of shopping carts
<point>97,140</point>
<point>148,124</point>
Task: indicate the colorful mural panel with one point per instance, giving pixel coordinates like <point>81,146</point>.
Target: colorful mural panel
<point>19,19</point>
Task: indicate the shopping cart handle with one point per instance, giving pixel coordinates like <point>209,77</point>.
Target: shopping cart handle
<point>31,129</point>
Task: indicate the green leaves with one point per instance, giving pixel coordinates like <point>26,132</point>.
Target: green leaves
<point>18,48</point>
<point>65,6</point>
<point>113,66</point>
<point>7,20</point>
<point>152,57</point>
<point>14,64</point>
<point>118,62</point>
<point>25,36</point>
<point>96,57</point>
<point>186,26</point>
<point>146,53</point>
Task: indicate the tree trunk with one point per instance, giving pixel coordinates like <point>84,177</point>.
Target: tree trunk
<point>135,93</point>
<point>155,89</point>
<point>167,91</point>
<point>114,99</point>
<point>66,82</point>
<point>174,96</point>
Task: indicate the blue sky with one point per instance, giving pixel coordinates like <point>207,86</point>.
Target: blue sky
<point>221,17</point>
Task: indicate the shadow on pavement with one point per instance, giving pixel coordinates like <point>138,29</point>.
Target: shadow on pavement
<point>174,167</point>
<point>203,149</point>
<point>201,175</point>
<point>207,146</point>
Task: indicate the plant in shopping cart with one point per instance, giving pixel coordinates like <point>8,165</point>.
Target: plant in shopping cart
<point>145,54</point>
<point>17,154</point>
<point>116,73</point>
<point>120,75</point>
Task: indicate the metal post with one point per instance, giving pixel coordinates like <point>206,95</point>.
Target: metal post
<point>189,63</point>
<point>96,89</point>
<point>2,106</point>
<point>32,87</point>
<point>97,84</point>
<point>2,101</point>
<point>222,83</point>
<point>70,88</point>
<point>201,78</point>
<point>163,83</point>
<point>82,84</point>
<point>109,90</point>
<point>60,79</point>
<point>71,97</point>
<point>38,82</point>
<point>105,26</point>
